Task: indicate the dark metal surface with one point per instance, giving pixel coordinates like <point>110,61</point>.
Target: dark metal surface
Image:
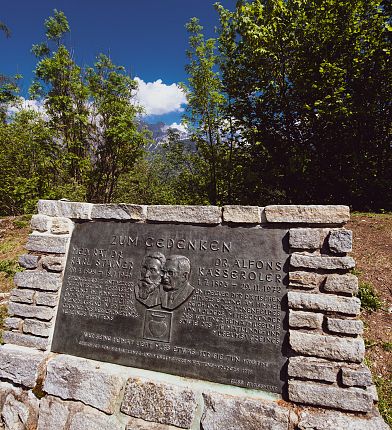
<point>203,302</point>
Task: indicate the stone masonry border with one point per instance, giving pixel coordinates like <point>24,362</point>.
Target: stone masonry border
<point>328,385</point>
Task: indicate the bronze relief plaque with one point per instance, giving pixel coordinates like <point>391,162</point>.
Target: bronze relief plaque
<point>202,302</point>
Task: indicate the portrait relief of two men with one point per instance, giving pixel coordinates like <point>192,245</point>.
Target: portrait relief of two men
<point>164,281</point>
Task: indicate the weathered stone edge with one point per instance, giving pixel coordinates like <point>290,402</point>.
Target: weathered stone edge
<point>294,214</point>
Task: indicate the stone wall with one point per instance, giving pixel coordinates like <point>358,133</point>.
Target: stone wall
<point>328,386</point>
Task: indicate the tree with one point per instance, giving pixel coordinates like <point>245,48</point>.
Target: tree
<point>115,136</point>
<point>205,106</point>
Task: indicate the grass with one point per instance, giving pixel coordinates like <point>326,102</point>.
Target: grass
<point>3,316</point>
<point>384,391</point>
<point>9,267</point>
<point>369,298</point>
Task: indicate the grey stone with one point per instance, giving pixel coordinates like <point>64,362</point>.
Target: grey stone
<point>325,346</point>
<point>53,263</point>
<point>46,299</point>
<point>309,320</point>
<point>40,223</point>
<point>25,340</point>
<point>335,325</point>
<point>360,377</point>
<point>340,241</point>
<point>372,390</point>
<point>308,280</point>
<point>28,261</point>
<point>241,214</point>
<point>61,226</point>
<point>20,411</point>
<point>38,280</point>
<point>321,419</point>
<point>309,214</point>
<point>30,311</point>
<point>324,302</point>
<point>347,284</point>
<point>47,243</point>
<point>119,211</point>
<point>22,295</point>
<point>321,262</point>
<point>13,322</point>
<point>235,413</point>
<point>38,328</point>
<point>19,364</point>
<point>138,424</point>
<point>304,238</point>
<point>159,402</point>
<point>53,414</point>
<point>185,214</point>
<point>350,399</point>
<point>90,420</point>
<point>313,368</point>
<point>58,208</point>
<point>84,380</point>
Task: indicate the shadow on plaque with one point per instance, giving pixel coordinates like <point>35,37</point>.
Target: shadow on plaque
<point>157,325</point>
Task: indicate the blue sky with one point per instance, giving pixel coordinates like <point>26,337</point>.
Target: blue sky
<point>148,37</point>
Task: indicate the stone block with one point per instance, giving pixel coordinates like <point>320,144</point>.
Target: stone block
<point>228,412</point>
<point>13,322</point>
<point>159,402</point>
<point>53,263</point>
<point>61,226</point>
<point>119,211</point>
<point>46,299</point>
<point>22,295</point>
<point>350,399</point>
<point>313,368</point>
<point>304,238</point>
<point>28,261</point>
<point>20,411</point>
<point>47,243</point>
<point>60,208</point>
<point>372,390</point>
<point>340,326</point>
<point>309,214</point>
<point>241,214</point>
<point>345,284</point>
<point>53,414</point>
<point>325,346</point>
<point>40,222</point>
<point>340,241</point>
<point>310,320</point>
<point>360,377</point>
<point>185,214</point>
<point>22,339</point>
<point>93,420</point>
<point>19,364</point>
<point>83,380</point>
<point>38,328</point>
<point>321,262</point>
<point>321,419</point>
<point>30,311</point>
<point>306,280</point>
<point>38,280</point>
<point>139,424</point>
<point>324,303</point>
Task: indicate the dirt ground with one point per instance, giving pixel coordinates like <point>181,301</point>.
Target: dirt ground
<point>372,250</point>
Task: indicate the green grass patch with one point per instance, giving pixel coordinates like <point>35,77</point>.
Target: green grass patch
<point>384,390</point>
<point>3,316</point>
<point>9,267</point>
<point>370,301</point>
<point>387,346</point>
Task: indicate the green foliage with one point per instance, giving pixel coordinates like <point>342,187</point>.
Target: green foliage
<point>387,346</point>
<point>9,267</point>
<point>384,390</point>
<point>369,299</point>
<point>3,316</point>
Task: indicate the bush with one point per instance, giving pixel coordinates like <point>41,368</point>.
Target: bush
<point>369,298</point>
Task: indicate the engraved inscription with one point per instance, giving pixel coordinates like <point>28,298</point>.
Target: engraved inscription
<point>204,302</point>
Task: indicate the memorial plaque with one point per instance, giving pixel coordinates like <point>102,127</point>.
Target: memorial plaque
<point>203,302</point>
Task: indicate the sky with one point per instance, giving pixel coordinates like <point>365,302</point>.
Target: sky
<point>148,37</point>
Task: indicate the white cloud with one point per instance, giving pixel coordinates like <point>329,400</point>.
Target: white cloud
<point>158,98</point>
<point>22,103</point>
<point>180,127</point>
